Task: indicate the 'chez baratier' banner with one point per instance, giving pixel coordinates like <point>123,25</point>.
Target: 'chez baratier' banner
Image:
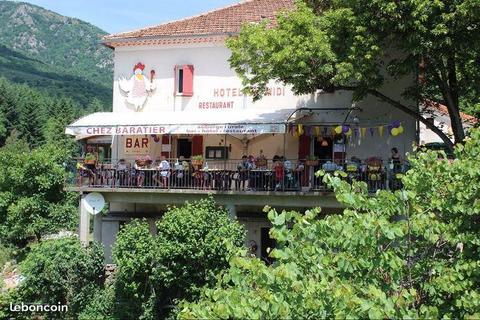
<point>178,129</point>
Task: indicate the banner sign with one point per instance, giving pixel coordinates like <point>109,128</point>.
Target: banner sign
<point>178,129</point>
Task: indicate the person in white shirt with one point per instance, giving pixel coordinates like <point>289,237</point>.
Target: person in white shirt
<point>164,168</point>
<point>164,173</point>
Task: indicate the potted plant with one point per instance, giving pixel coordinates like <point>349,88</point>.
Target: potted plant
<point>311,161</point>
<point>90,158</point>
<point>197,160</point>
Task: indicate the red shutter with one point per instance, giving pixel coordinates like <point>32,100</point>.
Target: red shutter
<point>303,147</point>
<point>197,145</point>
<point>188,80</point>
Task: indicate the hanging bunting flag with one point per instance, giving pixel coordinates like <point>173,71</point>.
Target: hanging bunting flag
<point>356,133</point>
<point>380,130</point>
<point>325,131</point>
<point>310,131</point>
<point>372,130</point>
<point>300,129</point>
<point>317,131</point>
<point>363,132</point>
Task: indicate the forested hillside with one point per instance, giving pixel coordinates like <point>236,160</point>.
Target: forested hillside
<point>60,55</point>
<point>35,116</point>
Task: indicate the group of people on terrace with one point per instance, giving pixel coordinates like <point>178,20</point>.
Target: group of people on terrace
<point>247,174</point>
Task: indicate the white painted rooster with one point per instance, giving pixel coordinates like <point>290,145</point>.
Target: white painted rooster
<point>138,87</point>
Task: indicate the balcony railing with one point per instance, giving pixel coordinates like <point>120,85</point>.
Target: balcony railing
<point>232,175</point>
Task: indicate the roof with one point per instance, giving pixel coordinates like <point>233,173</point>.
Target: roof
<point>432,107</point>
<point>254,121</point>
<point>220,22</point>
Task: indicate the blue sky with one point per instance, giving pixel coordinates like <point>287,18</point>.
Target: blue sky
<point>122,15</point>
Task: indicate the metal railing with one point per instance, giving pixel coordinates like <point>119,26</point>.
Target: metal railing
<point>232,175</point>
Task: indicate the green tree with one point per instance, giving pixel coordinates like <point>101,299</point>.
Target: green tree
<point>61,271</point>
<point>194,243</point>
<point>61,113</point>
<point>32,114</point>
<point>32,200</point>
<point>95,106</point>
<point>360,46</point>
<point>413,253</point>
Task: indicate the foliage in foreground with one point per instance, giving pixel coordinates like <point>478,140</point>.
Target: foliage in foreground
<point>32,200</point>
<point>59,271</point>
<point>412,253</point>
<point>193,244</point>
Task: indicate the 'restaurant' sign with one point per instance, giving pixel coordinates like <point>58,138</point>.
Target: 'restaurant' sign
<point>178,129</point>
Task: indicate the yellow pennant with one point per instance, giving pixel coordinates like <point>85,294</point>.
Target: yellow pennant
<point>317,131</point>
<point>300,129</point>
<point>380,130</point>
<point>363,132</point>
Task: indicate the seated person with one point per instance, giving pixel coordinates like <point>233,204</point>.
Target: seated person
<point>179,173</point>
<point>329,166</point>
<point>121,172</point>
<point>163,174</point>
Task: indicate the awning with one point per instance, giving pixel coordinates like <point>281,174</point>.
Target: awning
<point>249,121</point>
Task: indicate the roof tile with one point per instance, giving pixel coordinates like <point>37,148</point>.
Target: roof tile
<point>227,20</point>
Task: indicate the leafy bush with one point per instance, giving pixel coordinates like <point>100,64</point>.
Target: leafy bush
<point>61,271</point>
<point>32,200</point>
<point>406,254</point>
<point>194,243</point>
<point>100,306</point>
<point>5,256</point>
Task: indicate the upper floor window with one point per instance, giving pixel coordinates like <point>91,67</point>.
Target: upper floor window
<point>184,80</point>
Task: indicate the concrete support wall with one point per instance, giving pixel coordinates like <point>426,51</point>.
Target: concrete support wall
<point>84,226</point>
<point>110,230</point>
<point>97,227</point>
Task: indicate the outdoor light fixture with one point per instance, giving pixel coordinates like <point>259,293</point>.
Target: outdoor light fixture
<point>324,143</point>
<point>356,120</point>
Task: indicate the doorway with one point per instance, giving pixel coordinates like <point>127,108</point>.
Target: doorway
<point>184,148</point>
<point>323,149</point>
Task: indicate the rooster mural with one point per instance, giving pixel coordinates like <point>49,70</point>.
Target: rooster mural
<point>138,87</point>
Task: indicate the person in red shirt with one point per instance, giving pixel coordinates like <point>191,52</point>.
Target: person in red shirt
<point>279,170</point>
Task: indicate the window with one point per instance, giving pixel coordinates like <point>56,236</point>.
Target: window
<point>217,153</point>
<point>184,80</point>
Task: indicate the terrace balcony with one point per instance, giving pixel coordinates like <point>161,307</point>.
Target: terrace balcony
<point>290,177</point>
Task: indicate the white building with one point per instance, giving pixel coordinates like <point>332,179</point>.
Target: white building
<point>186,101</point>
<point>438,114</point>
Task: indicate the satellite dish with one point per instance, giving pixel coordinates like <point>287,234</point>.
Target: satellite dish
<point>94,203</point>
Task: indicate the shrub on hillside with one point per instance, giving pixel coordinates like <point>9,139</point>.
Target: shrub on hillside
<point>194,243</point>
<point>61,271</point>
<point>32,200</point>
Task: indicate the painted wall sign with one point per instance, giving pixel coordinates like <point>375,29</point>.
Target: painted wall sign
<point>182,129</point>
<point>216,105</point>
<point>138,87</point>
<point>135,145</point>
<point>237,92</point>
